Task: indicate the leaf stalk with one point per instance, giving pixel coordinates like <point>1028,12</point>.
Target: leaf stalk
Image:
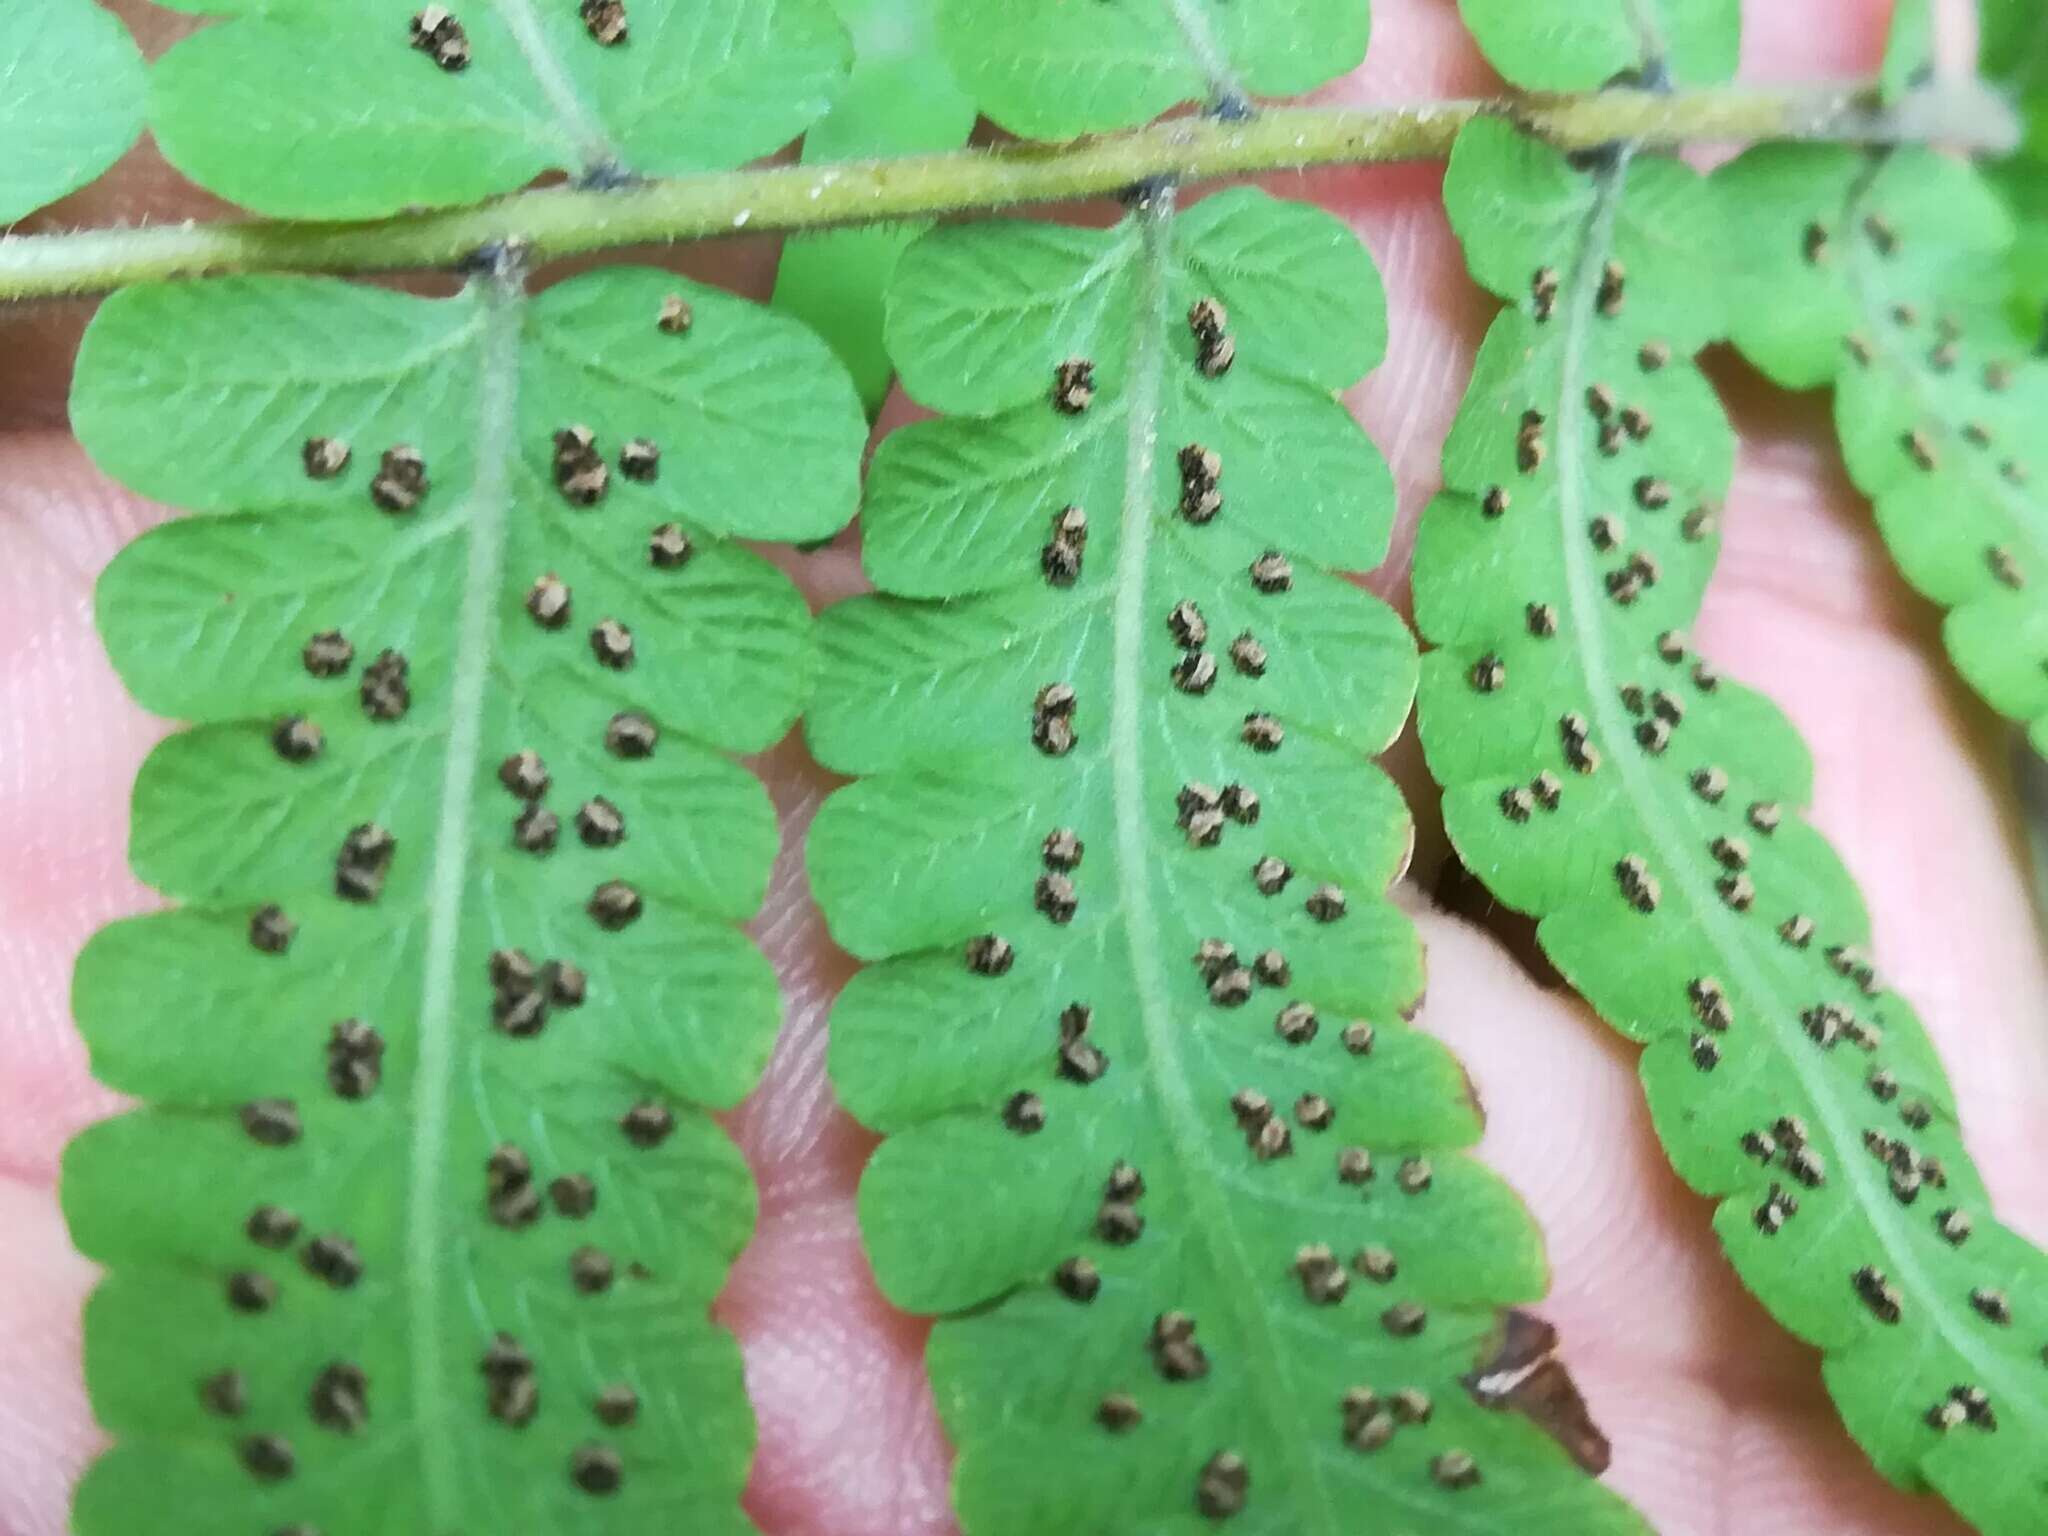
<point>559,221</point>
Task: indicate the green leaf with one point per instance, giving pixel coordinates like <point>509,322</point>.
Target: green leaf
<point>2014,57</point>
<point>1909,50</point>
<point>1054,69</point>
<point>1882,277</point>
<point>1599,775</point>
<point>900,100</point>
<point>1580,45</point>
<point>71,85</point>
<point>1048,1295</point>
<point>337,115</point>
<point>206,395</point>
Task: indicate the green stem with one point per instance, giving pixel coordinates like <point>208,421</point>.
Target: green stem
<point>560,221</point>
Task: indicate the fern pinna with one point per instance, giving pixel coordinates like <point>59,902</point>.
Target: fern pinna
<point>420,1220</point>
<point>1600,774</point>
<point>1885,275</point>
<point>1117,860</point>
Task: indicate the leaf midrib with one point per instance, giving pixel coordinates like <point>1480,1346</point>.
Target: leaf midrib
<point>1676,856</point>
<point>1207,52</point>
<point>503,308</point>
<point>1266,1354</point>
<point>573,114</point>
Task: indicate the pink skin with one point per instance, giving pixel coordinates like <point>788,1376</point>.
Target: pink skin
<point>1719,1421</point>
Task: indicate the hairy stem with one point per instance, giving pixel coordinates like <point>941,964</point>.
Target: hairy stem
<point>559,221</point>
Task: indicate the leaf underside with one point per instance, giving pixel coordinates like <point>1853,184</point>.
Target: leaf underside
<point>1598,775</point>
<point>340,115</point>
<point>932,694</point>
<point>411,1073</point>
<point>71,89</point>
<point>1054,69</point>
<point>899,100</point>
<point>1882,277</point>
<point>1580,45</point>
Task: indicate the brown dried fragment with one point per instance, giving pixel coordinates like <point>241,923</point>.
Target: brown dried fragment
<point>384,692</point>
<point>297,739</point>
<point>249,1291</point>
<point>355,1059</point>
<point>1954,1226</point>
<point>1175,1354</point>
<point>333,1258</point>
<point>1272,573</point>
<point>1119,1223</point>
<point>1241,805</point>
<point>1118,1412</point>
<point>1613,295</point>
<point>614,905</point>
<point>1496,501</point>
<point>1326,903</point>
<point>525,775</point>
<point>1376,1263</point>
<point>1797,930</point>
<point>1270,968</point>
<point>1195,672</point>
<point>271,1122</point>
<point>267,1458</point>
<point>536,830</point>
<point>597,1470</point>
<point>612,644</point>
<point>668,547</point>
<point>1414,1175</point>
<point>1920,449</point>
<point>1454,1470</point>
<point>1271,875</point>
<point>1548,789</point>
<point>1710,784</point>
<point>591,1270</point>
<point>1062,850</point>
<point>325,457</point>
<point>1778,1207</point>
<point>1073,386</point>
<point>1543,287</point>
<point>1323,1280</point>
<point>1271,1140</point>
<point>1187,626</point>
<point>401,481</point>
<point>1404,1319</point>
<point>1263,733</point>
<point>1541,619</point>
<point>1024,1113</point>
<point>1638,886</point>
<point>225,1393</point>
<point>271,1226</point>
<point>1313,1112</point>
<point>616,1405</point>
<point>990,955</point>
<point>675,316</point>
<point>647,1125</point>
<point>605,21</point>
<point>640,461</point>
<point>1231,988</point>
<point>1055,896</point>
<point>340,1397</point>
<point>547,601</point>
<point>1201,474</point>
<point>1653,356</point>
<point>1765,815</point>
<point>2005,570</point>
<point>270,930</point>
<point>1877,1293</point>
<point>1224,1486</point>
<point>1652,494</point>
<point>1489,674</point>
<point>328,654</point>
<point>1354,1166</point>
<point>1992,1306</point>
<point>630,734</point>
<point>600,823</point>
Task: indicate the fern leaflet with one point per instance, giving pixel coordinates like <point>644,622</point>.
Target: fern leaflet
<point>1883,276</point>
<point>1600,775</point>
<point>419,1223</point>
<point>1188,1193</point>
<point>71,87</point>
<point>1052,69</point>
<point>1580,45</point>
<point>364,109</point>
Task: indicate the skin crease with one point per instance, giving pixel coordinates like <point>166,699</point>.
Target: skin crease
<point>1719,1421</point>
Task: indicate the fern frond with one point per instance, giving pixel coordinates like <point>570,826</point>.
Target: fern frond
<point>71,91</point>
<point>418,1225</point>
<point>1054,69</point>
<point>1190,1197</point>
<point>1600,775</point>
<point>361,109</point>
<point>1883,276</point>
